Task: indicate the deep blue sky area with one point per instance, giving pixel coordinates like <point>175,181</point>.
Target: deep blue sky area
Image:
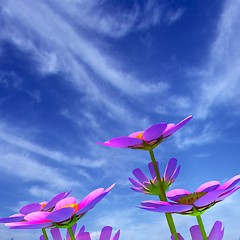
<point>76,72</point>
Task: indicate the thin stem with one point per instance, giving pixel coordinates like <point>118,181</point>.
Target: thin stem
<point>202,229</point>
<point>44,234</point>
<point>71,233</point>
<point>163,197</point>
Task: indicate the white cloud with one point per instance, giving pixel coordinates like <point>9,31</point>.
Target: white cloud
<point>220,81</point>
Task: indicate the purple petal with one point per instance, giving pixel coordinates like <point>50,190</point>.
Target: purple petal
<point>154,132</point>
<point>196,233</point>
<point>140,175</point>
<point>208,186</point>
<point>176,172</point>
<point>179,237</point>
<point>135,183</point>
<point>56,199</point>
<point>122,142</point>
<point>216,232</point>
<point>175,128</point>
<point>61,214</point>
<point>32,207</point>
<point>117,235</point>
<point>42,237</point>
<point>230,183</point>
<point>228,193</point>
<point>151,169</point>
<point>208,198</point>
<point>14,218</point>
<point>137,189</point>
<point>83,236</point>
<point>106,233</point>
<point>74,230</point>
<point>55,232</point>
<point>28,225</point>
<point>175,194</point>
<point>160,206</point>
<point>170,168</point>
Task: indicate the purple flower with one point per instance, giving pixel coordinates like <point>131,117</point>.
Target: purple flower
<point>148,139</point>
<point>185,202</point>
<point>151,186</point>
<point>34,207</point>
<point>216,233</point>
<point>65,213</point>
<point>82,235</point>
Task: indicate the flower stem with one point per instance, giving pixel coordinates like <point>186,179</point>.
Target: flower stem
<point>71,233</point>
<point>163,197</point>
<point>44,233</point>
<point>202,229</point>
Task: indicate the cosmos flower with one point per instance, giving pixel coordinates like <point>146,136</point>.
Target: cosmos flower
<point>33,207</point>
<point>216,233</point>
<point>185,202</point>
<point>82,235</point>
<point>151,186</point>
<point>148,139</point>
<point>65,213</point>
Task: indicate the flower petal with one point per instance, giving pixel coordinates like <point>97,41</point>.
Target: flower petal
<point>14,218</point>
<point>230,183</point>
<point>61,214</point>
<point>175,194</point>
<point>122,142</point>
<point>140,175</point>
<point>208,186</point>
<point>216,232</point>
<point>171,166</point>
<point>135,183</point>
<point>228,193</point>
<point>151,169</point>
<point>106,233</point>
<point>117,235</point>
<point>55,232</point>
<point>179,237</point>
<point>196,233</point>
<point>208,198</point>
<point>32,207</point>
<point>175,128</point>
<point>154,132</point>
<point>66,202</point>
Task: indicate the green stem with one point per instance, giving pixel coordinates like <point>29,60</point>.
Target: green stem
<point>44,233</point>
<point>71,233</point>
<point>163,197</point>
<point>202,229</point>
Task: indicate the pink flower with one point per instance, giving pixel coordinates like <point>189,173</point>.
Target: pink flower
<point>66,212</point>
<point>185,202</point>
<point>148,139</point>
<point>151,186</point>
<point>34,207</point>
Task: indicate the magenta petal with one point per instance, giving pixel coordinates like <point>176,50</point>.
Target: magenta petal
<point>106,233</point>
<point>65,202</point>
<point>216,232</point>
<point>122,142</point>
<point>208,186</point>
<point>117,235</point>
<point>32,207</point>
<point>175,194</point>
<point>154,132</point>
<point>14,218</point>
<point>61,214</point>
<point>196,233</point>
<point>230,183</point>
<point>170,168</point>
<point>140,175</point>
<point>135,134</point>
<point>55,232</point>
<point>208,198</point>
<point>55,199</point>
<point>37,216</point>
<point>177,126</point>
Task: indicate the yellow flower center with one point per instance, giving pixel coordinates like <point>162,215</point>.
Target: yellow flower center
<point>72,205</point>
<point>140,136</point>
<point>191,198</point>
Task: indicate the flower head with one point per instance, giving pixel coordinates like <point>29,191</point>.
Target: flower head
<point>34,207</point>
<point>151,186</point>
<point>82,235</point>
<point>216,233</point>
<point>65,213</point>
<point>185,202</point>
<point>148,139</point>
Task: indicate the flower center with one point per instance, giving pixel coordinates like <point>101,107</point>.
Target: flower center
<point>140,136</point>
<point>191,198</point>
<point>72,205</point>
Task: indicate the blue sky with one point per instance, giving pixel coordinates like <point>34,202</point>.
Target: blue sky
<point>76,72</point>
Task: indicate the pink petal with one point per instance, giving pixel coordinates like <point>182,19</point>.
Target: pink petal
<point>175,194</point>
<point>122,142</point>
<point>208,186</point>
<point>66,202</point>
